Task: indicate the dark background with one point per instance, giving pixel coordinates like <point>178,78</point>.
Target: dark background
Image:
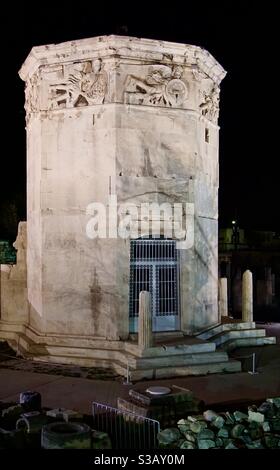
<point>240,35</point>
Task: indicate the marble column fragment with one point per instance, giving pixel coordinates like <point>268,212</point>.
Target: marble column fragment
<point>247,296</point>
<point>145,328</point>
<point>223,298</point>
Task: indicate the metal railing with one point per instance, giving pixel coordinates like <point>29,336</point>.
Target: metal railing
<point>127,430</point>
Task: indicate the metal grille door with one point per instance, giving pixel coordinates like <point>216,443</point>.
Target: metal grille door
<point>154,268</point>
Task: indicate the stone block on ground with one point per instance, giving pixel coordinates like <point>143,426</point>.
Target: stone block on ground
<point>257,444</point>
<point>275,424</point>
<point>184,425</point>
<point>239,416</point>
<point>271,441</point>
<point>32,422</point>
<point>210,415</point>
<point>219,442</point>
<point>206,434</point>
<point>168,436</point>
<point>223,432</point>
<point>255,416</point>
<point>187,445</point>
<point>100,440</point>
<point>275,401</point>
<point>232,430</point>
<point>30,401</point>
<point>266,426</point>
<point>237,430</point>
<point>267,409</point>
<point>176,396</point>
<point>64,414</point>
<point>198,426</point>
<point>190,436</point>
<point>11,414</point>
<point>206,443</point>
<point>218,422</point>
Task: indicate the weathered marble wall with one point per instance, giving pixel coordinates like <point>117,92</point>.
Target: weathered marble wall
<point>13,284</point>
<point>118,116</point>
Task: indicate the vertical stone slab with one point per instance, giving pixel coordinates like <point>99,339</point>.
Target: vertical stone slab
<point>145,328</point>
<point>268,286</point>
<point>223,298</point>
<point>247,296</point>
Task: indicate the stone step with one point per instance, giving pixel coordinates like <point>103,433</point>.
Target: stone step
<point>181,371</point>
<point>166,351</point>
<point>160,335</point>
<point>179,360</point>
<point>176,365</point>
<point>72,341</point>
<point>26,344</point>
<point>87,354</point>
<point>213,331</point>
<point>224,336</point>
<point>232,344</point>
<point>80,361</point>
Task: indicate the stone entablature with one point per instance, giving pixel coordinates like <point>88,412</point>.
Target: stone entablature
<point>115,69</point>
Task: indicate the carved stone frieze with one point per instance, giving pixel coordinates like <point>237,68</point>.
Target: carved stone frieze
<point>86,85</point>
<point>31,96</point>
<point>209,106</point>
<point>162,86</point>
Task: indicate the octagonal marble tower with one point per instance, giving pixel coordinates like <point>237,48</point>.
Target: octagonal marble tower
<point>129,117</point>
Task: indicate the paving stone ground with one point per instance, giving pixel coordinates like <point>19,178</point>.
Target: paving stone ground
<point>76,388</point>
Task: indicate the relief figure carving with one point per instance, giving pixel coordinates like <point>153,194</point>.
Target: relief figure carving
<point>210,105</point>
<point>31,96</point>
<point>85,86</point>
<point>162,86</point>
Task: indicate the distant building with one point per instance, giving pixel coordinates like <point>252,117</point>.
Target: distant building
<point>258,251</point>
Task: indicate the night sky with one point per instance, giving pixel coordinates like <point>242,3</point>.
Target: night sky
<point>242,39</point>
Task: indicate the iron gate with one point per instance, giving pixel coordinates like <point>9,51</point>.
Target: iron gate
<point>154,268</point>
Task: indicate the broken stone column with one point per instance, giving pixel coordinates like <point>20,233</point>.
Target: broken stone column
<point>145,327</point>
<point>268,286</point>
<point>247,296</point>
<point>223,298</point>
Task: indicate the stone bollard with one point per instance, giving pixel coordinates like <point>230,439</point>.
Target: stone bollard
<point>223,298</point>
<point>247,296</point>
<point>145,326</point>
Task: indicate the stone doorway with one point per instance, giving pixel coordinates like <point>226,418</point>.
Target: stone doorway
<point>154,267</point>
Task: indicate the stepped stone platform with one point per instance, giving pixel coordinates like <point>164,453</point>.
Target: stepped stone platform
<point>178,355</point>
<point>232,334</point>
<point>172,355</point>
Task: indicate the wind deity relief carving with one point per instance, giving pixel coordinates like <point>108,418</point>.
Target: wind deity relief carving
<point>87,85</point>
<point>210,105</point>
<point>31,96</point>
<point>162,86</point>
